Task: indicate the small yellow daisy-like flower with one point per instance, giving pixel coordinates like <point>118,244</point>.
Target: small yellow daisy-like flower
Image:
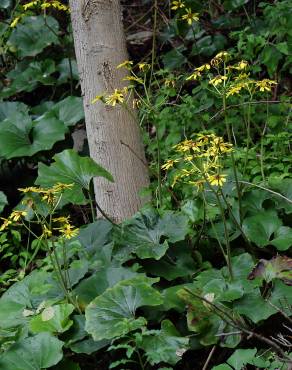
<point>177,4</point>
<point>15,22</point>
<point>133,78</point>
<point>235,89</point>
<point>169,82</point>
<point>143,66</point>
<point>190,17</point>
<point>97,98</point>
<point>265,85</point>
<point>61,187</point>
<point>199,184</point>
<point>194,76</point>
<point>5,224</point>
<point>30,189</point>
<point>136,103</point>
<point>17,215</point>
<point>126,64</point>
<point>169,164</point>
<point>62,219</point>
<point>116,97</point>
<point>216,180</point>
<point>31,4</point>
<point>46,232</point>
<point>217,80</point>
<point>68,231</point>
<point>204,67</point>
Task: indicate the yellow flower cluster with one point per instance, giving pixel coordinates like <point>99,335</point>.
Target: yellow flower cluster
<point>49,195</point>
<point>189,15</point>
<point>43,5</point>
<point>119,96</point>
<point>198,161</point>
<point>230,79</point>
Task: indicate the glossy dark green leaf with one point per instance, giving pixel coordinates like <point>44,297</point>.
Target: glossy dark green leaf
<point>241,357</point>
<point>148,235</point>
<point>33,353</point>
<point>165,345</point>
<point>70,168</point>
<point>113,313</point>
<point>69,110</point>
<point>33,34</point>
<point>53,319</point>
<point>259,228</point>
<point>65,73</point>
<point>3,201</point>
<point>23,137</point>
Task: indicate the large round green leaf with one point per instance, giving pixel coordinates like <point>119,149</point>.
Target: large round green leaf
<point>20,136</point>
<point>53,319</point>
<point>164,345</point>
<point>147,235</point>
<point>259,228</point>
<point>34,353</point>
<point>112,314</point>
<point>26,77</point>
<point>70,168</point>
<point>33,35</point>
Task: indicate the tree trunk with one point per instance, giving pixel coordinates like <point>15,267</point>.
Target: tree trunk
<point>113,133</point>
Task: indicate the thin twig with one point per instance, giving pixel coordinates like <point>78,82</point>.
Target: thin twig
<point>209,358</point>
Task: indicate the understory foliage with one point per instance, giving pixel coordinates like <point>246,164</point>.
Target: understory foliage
<point>201,276</point>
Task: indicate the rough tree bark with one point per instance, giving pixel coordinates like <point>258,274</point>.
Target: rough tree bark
<point>113,133</point>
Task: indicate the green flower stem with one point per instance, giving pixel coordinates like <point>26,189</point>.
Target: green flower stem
<point>232,158</point>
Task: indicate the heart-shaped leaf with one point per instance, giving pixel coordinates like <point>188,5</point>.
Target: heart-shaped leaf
<point>34,353</point>
<point>21,136</point>
<point>147,235</point>
<point>259,228</point>
<point>53,319</point>
<point>283,238</point>
<point>112,314</point>
<point>70,168</point>
<point>33,35</point>
<point>165,345</point>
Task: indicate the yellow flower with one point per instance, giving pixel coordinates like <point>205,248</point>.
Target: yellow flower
<point>199,184</point>
<point>190,17</point>
<point>177,4</point>
<point>169,83</point>
<point>15,22</point>
<point>222,147</point>
<point>219,58</point>
<point>136,103</point>
<point>126,64</point>
<point>265,85</point>
<point>169,164</point>
<point>97,98</point>
<point>61,187</point>
<point>204,67</point>
<point>62,219</point>
<point>116,97</point>
<point>55,4</point>
<point>241,65</point>
<point>30,4</point>
<point>30,189</point>
<point>48,196</point>
<point>216,180</point>
<point>46,231</point>
<point>68,231</point>
<point>217,80</point>
<point>133,78</point>
<point>194,76</point>
<point>235,89</point>
<point>17,215</point>
<point>143,66</point>
<point>5,224</point>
